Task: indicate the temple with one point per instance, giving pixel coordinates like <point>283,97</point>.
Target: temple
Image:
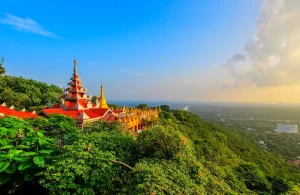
<point>77,104</point>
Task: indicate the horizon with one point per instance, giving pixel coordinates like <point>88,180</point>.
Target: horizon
<point>234,52</point>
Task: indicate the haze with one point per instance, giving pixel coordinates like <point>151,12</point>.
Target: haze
<point>209,50</point>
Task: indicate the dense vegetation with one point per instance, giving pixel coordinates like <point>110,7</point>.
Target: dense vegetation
<point>257,124</point>
<point>27,93</point>
<point>182,154</point>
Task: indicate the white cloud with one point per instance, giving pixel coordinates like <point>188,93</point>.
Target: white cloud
<point>273,56</point>
<point>26,25</point>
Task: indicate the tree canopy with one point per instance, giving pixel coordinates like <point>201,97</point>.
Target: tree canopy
<point>182,154</point>
<point>142,106</point>
<point>27,93</point>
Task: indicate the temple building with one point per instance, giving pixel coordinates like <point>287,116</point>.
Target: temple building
<point>76,104</point>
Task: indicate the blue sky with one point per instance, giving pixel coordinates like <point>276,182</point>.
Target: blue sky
<point>141,50</point>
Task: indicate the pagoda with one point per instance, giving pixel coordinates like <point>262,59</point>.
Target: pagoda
<point>76,103</point>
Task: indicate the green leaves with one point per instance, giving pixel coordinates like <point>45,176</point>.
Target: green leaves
<point>4,165</point>
<point>23,147</point>
<point>22,157</point>
<point>6,147</point>
<point>28,153</point>
<point>40,134</point>
<point>28,177</point>
<point>38,160</point>
<point>3,141</point>
<point>4,178</point>
<point>27,93</point>
<point>24,165</point>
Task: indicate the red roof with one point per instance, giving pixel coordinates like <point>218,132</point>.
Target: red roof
<point>295,162</point>
<point>117,111</point>
<point>109,117</point>
<point>56,105</point>
<point>72,113</point>
<point>70,104</point>
<point>12,112</point>
<point>92,112</point>
<point>96,112</point>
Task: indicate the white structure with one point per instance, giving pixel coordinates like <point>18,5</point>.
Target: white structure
<point>287,128</point>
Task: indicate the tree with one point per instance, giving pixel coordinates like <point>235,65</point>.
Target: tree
<point>60,127</point>
<point>165,108</point>
<point>159,142</point>
<point>27,93</point>
<point>95,163</point>
<point>142,106</point>
<point>113,106</point>
<point>254,178</point>
<point>94,98</point>
<point>2,69</point>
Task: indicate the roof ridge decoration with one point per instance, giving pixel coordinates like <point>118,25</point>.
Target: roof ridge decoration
<point>23,110</point>
<point>12,107</point>
<point>4,104</point>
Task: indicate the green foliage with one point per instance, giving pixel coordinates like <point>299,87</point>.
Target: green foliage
<point>160,142</point>
<point>254,178</point>
<point>295,190</point>
<point>27,93</point>
<point>182,154</point>
<point>23,152</point>
<point>142,106</point>
<point>2,69</point>
<point>60,127</point>
<point>113,106</point>
<point>85,167</point>
<point>165,108</point>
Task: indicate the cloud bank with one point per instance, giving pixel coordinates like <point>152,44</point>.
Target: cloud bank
<point>26,25</point>
<point>272,57</point>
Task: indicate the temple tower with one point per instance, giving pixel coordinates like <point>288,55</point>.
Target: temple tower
<point>75,97</point>
<point>103,103</point>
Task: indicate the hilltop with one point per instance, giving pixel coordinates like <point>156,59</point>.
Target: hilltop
<point>181,154</point>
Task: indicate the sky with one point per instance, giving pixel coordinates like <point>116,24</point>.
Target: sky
<point>171,50</point>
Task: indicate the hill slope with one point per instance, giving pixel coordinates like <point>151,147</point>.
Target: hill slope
<point>181,155</point>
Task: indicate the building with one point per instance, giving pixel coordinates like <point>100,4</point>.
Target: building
<point>287,128</point>
<point>77,104</point>
<point>5,111</point>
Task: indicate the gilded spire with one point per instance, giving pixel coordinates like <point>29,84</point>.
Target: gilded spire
<point>103,103</point>
<point>75,66</point>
